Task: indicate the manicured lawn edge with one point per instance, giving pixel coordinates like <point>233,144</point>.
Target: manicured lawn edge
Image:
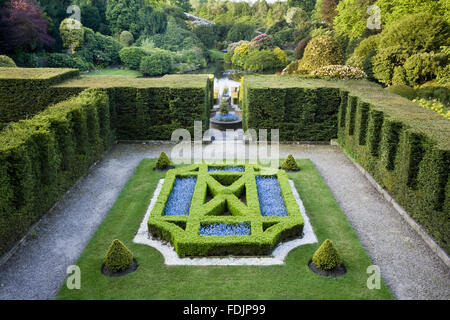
<point>294,280</point>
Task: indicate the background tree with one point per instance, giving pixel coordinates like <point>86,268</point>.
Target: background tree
<point>393,10</point>
<point>328,11</point>
<point>297,18</point>
<point>90,17</point>
<point>351,20</point>
<point>241,31</point>
<point>260,9</point>
<point>23,27</point>
<point>277,12</point>
<point>307,5</point>
<point>54,11</point>
<point>183,4</point>
<point>197,4</point>
<point>124,15</point>
<point>208,35</point>
<point>153,21</point>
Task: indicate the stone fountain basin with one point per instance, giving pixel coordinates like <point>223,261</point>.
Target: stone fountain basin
<point>224,125</point>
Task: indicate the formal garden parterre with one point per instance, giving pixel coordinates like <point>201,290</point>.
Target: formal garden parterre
<point>204,213</point>
<point>154,279</point>
<point>52,145</point>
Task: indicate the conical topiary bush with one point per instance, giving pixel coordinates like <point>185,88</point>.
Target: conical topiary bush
<point>163,161</point>
<point>118,257</point>
<point>326,257</point>
<point>290,164</point>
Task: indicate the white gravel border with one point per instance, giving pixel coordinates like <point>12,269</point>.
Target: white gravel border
<point>277,258</point>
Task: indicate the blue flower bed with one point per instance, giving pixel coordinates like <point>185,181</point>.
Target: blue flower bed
<point>223,229</point>
<point>271,201</point>
<point>229,168</point>
<point>226,118</point>
<point>180,197</point>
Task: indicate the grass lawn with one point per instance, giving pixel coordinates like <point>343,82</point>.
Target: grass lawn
<point>116,72</point>
<point>154,280</point>
<point>215,54</point>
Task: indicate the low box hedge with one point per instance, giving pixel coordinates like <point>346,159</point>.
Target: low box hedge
<point>183,231</point>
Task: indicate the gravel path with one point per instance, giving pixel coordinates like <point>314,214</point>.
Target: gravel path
<point>37,270</point>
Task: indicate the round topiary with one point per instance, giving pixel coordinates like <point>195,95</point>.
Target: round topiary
<point>132,56</point>
<point>290,164</point>
<point>259,60</point>
<point>362,56</point>
<point>7,62</point>
<point>126,38</point>
<point>320,52</point>
<point>163,161</point>
<point>386,60</point>
<point>157,63</point>
<point>118,257</point>
<point>423,67</point>
<point>421,32</point>
<point>326,257</point>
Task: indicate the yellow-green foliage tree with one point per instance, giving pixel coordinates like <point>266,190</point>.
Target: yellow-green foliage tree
<point>126,38</point>
<point>118,257</point>
<point>326,257</point>
<point>7,62</point>
<point>72,33</point>
<point>321,51</point>
<point>280,54</point>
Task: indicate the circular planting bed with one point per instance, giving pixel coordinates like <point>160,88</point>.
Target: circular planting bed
<point>105,271</point>
<point>335,272</point>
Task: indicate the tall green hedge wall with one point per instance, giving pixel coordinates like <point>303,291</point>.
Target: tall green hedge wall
<point>406,148</point>
<point>154,113</point>
<point>41,158</point>
<point>301,114</point>
<point>408,161</point>
<point>25,92</point>
<point>151,109</point>
<point>52,145</point>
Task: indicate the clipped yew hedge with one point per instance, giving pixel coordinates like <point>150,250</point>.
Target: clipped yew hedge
<point>408,159</point>
<point>151,109</point>
<point>404,147</point>
<point>25,92</point>
<point>154,113</point>
<point>52,145</point>
<point>42,157</point>
<point>301,113</point>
